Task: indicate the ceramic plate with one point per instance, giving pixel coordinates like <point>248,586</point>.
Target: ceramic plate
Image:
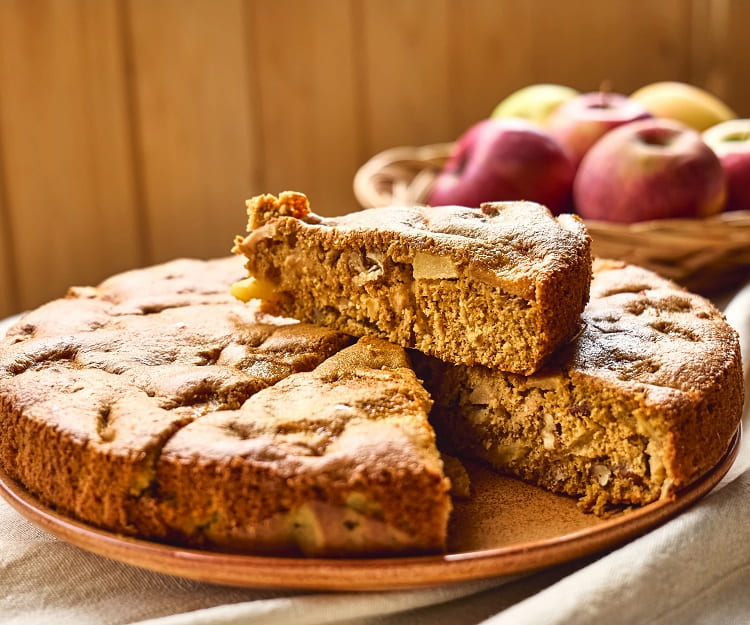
<point>507,527</point>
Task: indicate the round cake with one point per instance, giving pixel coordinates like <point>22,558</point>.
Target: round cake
<point>156,405</point>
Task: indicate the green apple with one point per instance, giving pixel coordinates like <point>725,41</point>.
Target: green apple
<point>731,142</point>
<point>535,102</point>
<point>694,107</point>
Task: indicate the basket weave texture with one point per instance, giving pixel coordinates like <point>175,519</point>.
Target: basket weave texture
<point>705,255</point>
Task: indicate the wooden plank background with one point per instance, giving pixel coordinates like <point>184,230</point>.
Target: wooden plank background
<point>68,184</point>
<point>192,120</point>
<point>131,131</point>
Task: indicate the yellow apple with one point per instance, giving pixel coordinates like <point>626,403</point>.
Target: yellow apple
<point>694,107</point>
<point>535,102</point>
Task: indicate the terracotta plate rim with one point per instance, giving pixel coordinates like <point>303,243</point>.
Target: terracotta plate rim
<point>257,571</point>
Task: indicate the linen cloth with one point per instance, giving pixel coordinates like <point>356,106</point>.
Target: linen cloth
<point>694,569</point>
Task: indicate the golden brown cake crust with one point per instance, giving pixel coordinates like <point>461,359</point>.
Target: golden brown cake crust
<point>648,336</point>
<point>517,244</point>
<point>157,405</point>
<point>643,329</point>
<point>506,255</point>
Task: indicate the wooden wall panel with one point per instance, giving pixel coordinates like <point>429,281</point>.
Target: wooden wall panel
<point>448,64</point>
<point>499,47</point>
<point>406,87</point>
<point>627,43</point>
<point>194,110</point>
<point>305,57</point>
<point>735,58</point>
<point>8,296</point>
<point>66,153</point>
<point>131,131</point>
<point>720,60</point>
<point>490,44</point>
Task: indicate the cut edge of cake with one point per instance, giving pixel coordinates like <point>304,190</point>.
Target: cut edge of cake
<point>641,404</point>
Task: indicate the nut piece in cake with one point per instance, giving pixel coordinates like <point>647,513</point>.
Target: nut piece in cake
<point>501,286</point>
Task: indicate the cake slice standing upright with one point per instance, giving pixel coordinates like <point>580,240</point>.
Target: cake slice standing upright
<point>502,286</point>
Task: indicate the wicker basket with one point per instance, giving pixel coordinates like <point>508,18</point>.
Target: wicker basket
<point>706,255</point>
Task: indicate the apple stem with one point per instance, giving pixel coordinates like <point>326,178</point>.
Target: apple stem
<point>605,88</point>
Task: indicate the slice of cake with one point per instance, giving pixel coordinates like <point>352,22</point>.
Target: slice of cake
<point>642,403</point>
<point>502,286</point>
<point>337,461</point>
<point>157,405</point>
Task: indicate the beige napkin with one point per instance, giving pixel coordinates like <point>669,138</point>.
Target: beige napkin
<point>695,569</point>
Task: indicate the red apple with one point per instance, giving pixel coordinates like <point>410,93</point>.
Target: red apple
<point>505,159</point>
<point>651,169</point>
<point>731,142</point>
<point>582,121</point>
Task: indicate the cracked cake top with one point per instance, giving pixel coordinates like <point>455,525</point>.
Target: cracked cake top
<point>516,243</point>
<point>133,405</point>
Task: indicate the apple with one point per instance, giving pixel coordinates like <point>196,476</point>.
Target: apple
<point>505,159</point>
<point>650,169</point>
<point>535,102</point>
<point>731,142</point>
<point>582,121</point>
<point>684,103</point>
